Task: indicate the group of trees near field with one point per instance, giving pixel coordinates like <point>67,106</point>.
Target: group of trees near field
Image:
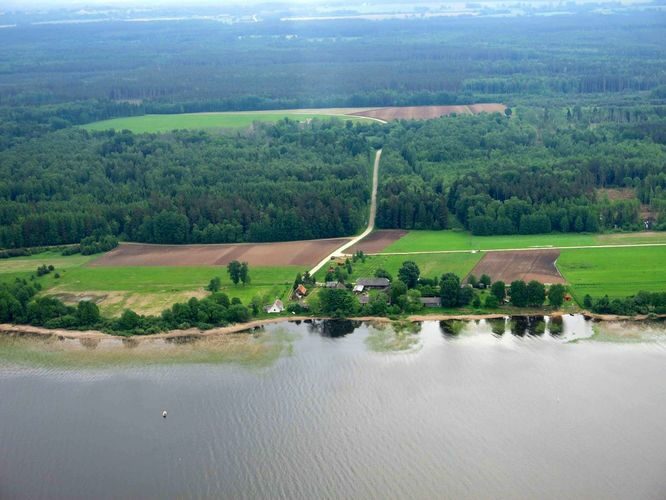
<point>537,173</point>
<point>287,181</point>
<point>21,304</point>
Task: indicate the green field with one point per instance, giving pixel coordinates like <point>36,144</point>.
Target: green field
<point>166,123</point>
<point>431,266</point>
<point>147,290</point>
<point>426,241</point>
<point>617,272</point>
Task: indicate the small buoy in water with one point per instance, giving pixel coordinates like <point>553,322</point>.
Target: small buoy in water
<point>164,414</point>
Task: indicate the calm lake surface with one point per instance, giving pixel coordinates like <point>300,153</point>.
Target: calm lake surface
<point>345,410</point>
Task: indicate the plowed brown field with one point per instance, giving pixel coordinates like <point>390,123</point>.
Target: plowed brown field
<point>429,112</point>
<point>523,265</point>
<point>377,241</point>
<point>289,253</point>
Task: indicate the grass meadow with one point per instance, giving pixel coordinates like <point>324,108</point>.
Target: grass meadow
<point>617,272</point>
<point>430,265</point>
<point>147,290</point>
<point>167,123</point>
<point>427,241</point>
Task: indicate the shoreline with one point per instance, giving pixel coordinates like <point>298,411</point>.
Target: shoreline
<point>61,334</point>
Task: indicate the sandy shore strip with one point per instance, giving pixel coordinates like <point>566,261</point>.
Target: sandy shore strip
<point>9,329</point>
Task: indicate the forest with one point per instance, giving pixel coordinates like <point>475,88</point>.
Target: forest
<point>581,147</point>
<point>549,169</point>
<point>281,182</point>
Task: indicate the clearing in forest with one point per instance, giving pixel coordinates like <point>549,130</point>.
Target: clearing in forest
<point>429,112</point>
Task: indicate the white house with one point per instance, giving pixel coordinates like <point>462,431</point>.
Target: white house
<point>277,307</point>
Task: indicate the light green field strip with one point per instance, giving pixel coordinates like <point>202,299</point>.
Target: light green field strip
<point>31,263</point>
<point>616,272</point>
<point>431,266</point>
<point>167,123</point>
<point>424,242</point>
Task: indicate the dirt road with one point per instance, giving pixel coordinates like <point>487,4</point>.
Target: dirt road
<point>371,220</point>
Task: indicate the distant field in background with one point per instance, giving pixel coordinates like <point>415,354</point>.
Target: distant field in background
<point>429,112</point>
<point>425,241</point>
<point>169,122</point>
<point>617,272</point>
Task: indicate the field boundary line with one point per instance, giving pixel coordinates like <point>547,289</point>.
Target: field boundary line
<point>577,247</point>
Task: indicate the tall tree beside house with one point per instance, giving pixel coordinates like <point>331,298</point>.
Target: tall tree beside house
<point>409,273</point>
<point>449,289</point>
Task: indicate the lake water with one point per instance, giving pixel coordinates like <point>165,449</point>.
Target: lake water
<point>341,410</point>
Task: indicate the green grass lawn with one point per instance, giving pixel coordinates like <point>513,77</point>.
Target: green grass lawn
<point>617,272</point>
<point>166,123</point>
<point>31,263</point>
<point>425,241</point>
<point>430,265</point>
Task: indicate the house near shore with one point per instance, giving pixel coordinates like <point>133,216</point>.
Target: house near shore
<point>300,292</point>
<point>430,301</point>
<point>367,284</point>
<point>275,308</point>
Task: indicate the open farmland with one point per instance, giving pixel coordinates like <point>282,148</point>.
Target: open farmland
<point>430,265</point>
<point>429,112</point>
<point>231,120</point>
<point>144,289</point>
<point>435,241</point>
<point>289,253</point>
<point>377,241</point>
<point>524,265</point>
<point>617,272</point>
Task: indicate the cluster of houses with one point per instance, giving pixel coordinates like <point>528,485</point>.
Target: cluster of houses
<point>361,288</point>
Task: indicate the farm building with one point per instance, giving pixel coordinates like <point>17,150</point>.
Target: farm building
<point>365,284</point>
<point>430,301</point>
<point>276,307</point>
<point>300,292</point>
<point>334,284</point>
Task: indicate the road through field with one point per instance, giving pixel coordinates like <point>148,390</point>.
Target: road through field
<point>371,219</point>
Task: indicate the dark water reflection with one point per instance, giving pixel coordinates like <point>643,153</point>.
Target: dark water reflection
<point>472,411</point>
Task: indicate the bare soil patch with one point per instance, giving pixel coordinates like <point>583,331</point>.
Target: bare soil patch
<point>429,112</point>
<point>617,193</point>
<point>378,241</point>
<point>290,253</point>
<point>523,265</point>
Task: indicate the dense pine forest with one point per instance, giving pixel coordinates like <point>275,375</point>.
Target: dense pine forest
<point>581,148</point>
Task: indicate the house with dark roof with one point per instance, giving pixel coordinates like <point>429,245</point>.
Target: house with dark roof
<point>367,284</point>
<point>430,301</point>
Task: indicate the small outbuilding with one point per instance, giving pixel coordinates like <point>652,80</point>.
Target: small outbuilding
<point>430,301</point>
<point>276,307</point>
<point>300,291</point>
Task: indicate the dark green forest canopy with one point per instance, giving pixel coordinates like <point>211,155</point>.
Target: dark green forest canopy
<point>282,182</point>
<point>206,66</point>
<point>532,174</point>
